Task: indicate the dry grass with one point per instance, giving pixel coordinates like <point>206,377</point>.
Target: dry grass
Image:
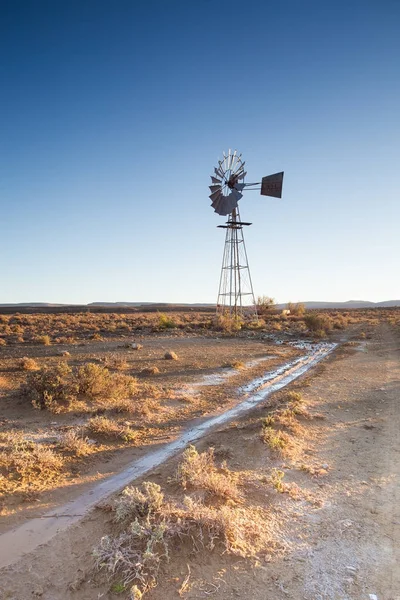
<point>277,440</point>
<point>199,472</point>
<point>43,339</point>
<point>69,328</point>
<point>51,388</point>
<point>26,465</point>
<point>150,371</point>
<point>75,442</point>
<point>227,323</point>
<point>28,364</point>
<point>108,428</point>
<point>169,355</point>
<point>60,388</point>
<point>156,526</point>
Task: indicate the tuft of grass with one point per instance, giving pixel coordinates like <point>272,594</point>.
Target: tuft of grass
<point>105,427</point>
<point>135,502</point>
<point>154,527</point>
<point>318,324</point>
<point>170,356</point>
<point>26,464</point>
<point>296,309</point>
<point>44,340</point>
<point>150,371</point>
<point>75,442</point>
<point>227,323</point>
<point>238,365</point>
<point>199,471</point>
<point>118,588</point>
<point>28,364</point>
<point>277,440</point>
<point>276,479</point>
<point>269,421</point>
<point>165,322</point>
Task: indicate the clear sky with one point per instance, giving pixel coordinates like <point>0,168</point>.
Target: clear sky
<point>113,114</point>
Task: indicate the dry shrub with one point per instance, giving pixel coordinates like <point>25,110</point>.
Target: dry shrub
<point>319,324</point>
<point>199,471</point>
<point>105,427</point>
<point>238,365</point>
<point>265,304</point>
<point>150,371</point>
<point>134,502</point>
<point>170,356</point>
<point>51,387</point>
<point>227,323</point>
<point>97,384</point>
<point>277,440</point>
<point>155,526</point>
<point>28,463</point>
<point>75,442</point>
<point>116,362</point>
<point>59,387</point>
<point>296,308</point>
<point>165,322</point>
<point>44,340</point>
<point>3,342</point>
<point>28,364</point>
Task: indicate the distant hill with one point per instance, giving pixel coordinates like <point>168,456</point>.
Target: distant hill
<point>348,305</point>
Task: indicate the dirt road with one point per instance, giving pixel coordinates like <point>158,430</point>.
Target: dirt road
<point>341,532</point>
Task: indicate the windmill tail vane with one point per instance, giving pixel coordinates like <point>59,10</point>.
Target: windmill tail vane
<point>235,294</point>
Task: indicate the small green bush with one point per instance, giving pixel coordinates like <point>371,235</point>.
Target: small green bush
<point>165,322</point>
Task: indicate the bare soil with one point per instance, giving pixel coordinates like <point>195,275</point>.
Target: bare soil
<point>337,524</point>
<point>178,404</point>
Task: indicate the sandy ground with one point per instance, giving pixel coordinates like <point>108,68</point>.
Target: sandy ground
<point>340,533</point>
<point>199,357</point>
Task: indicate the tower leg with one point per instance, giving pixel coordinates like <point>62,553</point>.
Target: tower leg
<point>235,294</point>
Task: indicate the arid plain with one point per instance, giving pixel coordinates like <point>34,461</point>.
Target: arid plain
<point>264,501</point>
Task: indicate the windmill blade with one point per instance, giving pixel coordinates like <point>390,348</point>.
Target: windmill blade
<point>236,195</point>
<point>240,167</point>
<point>224,207</point>
<point>271,185</point>
<point>242,176</point>
<point>229,159</point>
<point>215,195</point>
<point>215,180</point>
<point>215,188</point>
<point>239,187</point>
<point>222,167</point>
<point>219,173</point>
<point>218,206</point>
<point>233,159</point>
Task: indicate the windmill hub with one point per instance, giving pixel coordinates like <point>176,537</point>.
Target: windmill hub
<point>235,294</point>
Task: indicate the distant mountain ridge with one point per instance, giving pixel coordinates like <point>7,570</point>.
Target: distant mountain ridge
<point>350,304</point>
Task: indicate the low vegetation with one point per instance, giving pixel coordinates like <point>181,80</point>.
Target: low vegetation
<point>59,388</point>
<point>199,471</point>
<point>108,428</point>
<point>26,465</point>
<point>279,427</point>
<point>154,526</point>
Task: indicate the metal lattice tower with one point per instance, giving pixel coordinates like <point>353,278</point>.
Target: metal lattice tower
<point>235,294</point>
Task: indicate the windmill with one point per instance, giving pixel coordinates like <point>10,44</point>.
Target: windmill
<point>235,293</point>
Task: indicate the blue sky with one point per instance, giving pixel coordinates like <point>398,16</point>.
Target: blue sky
<point>113,115</point>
